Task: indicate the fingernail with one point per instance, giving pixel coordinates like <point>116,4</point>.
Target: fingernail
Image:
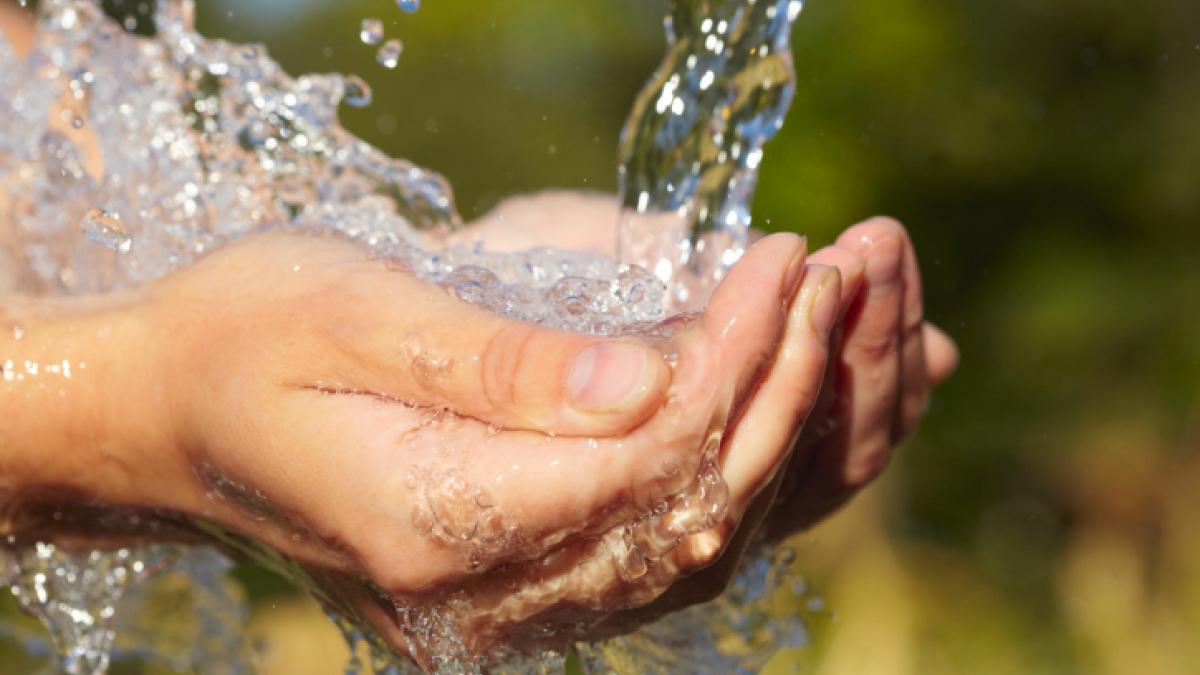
<point>826,299</point>
<point>610,376</point>
<point>883,259</point>
<point>795,270</point>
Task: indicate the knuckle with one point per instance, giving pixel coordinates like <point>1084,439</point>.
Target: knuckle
<point>501,363</point>
<point>805,388</point>
<point>871,347</point>
<point>867,463</point>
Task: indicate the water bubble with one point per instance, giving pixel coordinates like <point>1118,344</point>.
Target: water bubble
<point>389,54</point>
<point>409,6</point>
<point>105,228</point>
<point>356,93</point>
<point>371,32</point>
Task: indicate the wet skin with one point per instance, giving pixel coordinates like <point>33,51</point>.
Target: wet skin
<point>886,357</point>
<point>280,394</point>
<point>884,361</point>
<point>299,392</point>
<point>274,388</point>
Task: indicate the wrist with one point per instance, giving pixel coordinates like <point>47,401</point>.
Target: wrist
<point>79,398</point>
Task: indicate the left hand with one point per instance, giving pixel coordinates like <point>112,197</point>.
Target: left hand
<point>884,361</point>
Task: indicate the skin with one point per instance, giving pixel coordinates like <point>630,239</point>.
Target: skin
<point>347,414</point>
<point>886,358</point>
<point>883,361</point>
<point>292,410</point>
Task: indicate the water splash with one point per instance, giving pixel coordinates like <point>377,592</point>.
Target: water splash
<point>356,93</point>
<point>738,632</point>
<point>371,32</point>
<point>389,54</point>
<point>203,142</point>
<point>104,228</point>
<point>691,148</point>
<point>75,595</point>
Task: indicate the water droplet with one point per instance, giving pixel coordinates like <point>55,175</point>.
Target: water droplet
<point>409,6</point>
<point>105,228</point>
<point>371,32</point>
<point>389,54</point>
<point>356,93</point>
<point>77,122</point>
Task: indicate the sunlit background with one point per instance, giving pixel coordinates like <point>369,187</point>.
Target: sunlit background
<point>1046,157</point>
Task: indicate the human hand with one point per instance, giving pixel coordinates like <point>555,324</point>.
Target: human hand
<point>403,449</point>
<point>843,447</point>
<point>886,357</point>
<point>886,360</point>
<point>372,485</point>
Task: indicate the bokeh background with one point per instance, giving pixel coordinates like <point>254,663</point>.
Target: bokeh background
<point>1046,157</point>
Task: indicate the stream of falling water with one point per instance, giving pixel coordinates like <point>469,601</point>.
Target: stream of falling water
<point>204,141</point>
<point>691,149</point>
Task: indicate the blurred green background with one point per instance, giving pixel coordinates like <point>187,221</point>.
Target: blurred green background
<point>1046,157</point>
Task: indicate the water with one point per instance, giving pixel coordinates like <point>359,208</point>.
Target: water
<point>75,597</point>
<point>389,54</point>
<point>161,604</point>
<point>205,141</point>
<point>105,229</point>
<point>356,93</point>
<point>691,149</point>
<point>371,32</point>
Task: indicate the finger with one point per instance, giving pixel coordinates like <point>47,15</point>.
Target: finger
<point>719,361</point>
<point>766,432</point>
<point>870,354</point>
<point>442,352</point>
<point>941,354</point>
<point>914,374</point>
<point>850,265</point>
<point>749,304</point>
<point>477,498</point>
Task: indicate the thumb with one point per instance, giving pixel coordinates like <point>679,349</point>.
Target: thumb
<point>444,352</point>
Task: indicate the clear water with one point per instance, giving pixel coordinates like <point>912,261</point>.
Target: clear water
<point>691,149</point>
<point>165,605</point>
<point>202,142</point>
<point>389,53</point>
<point>371,32</point>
